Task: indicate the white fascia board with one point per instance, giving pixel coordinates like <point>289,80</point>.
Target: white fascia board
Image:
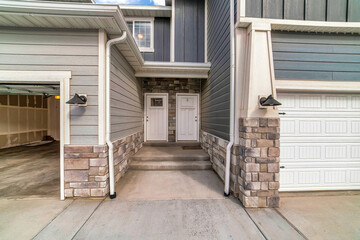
<point>317,86</point>
<point>302,26</point>
<point>33,76</point>
<point>174,70</point>
<point>146,10</point>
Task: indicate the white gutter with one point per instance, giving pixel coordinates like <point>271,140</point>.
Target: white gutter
<point>232,100</point>
<point>108,115</point>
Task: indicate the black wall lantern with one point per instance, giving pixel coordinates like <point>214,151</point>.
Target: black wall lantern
<point>78,100</point>
<point>269,101</point>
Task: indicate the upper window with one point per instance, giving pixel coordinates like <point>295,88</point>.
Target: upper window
<point>142,30</point>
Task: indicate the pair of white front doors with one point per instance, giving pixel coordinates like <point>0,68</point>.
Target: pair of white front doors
<point>156,117</point>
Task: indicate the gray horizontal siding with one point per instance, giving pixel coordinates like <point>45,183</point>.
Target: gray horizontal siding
<point>126,98</point>
<point>215,101</point>
<point>161,41</point>
<point>313,10</point>
<point>189,30</point>
<point>316,56</point>
<point>54,50</point>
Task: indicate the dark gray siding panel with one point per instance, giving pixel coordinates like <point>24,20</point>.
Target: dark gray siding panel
<point>312,10</point>
<point>316,56</point>
<point>161,41</point>
<point>57,50</point>
<point>354,11</point>
<point>273,9</point>
<point>336,10</point>
<point>253,8</point>
<point>215,101</point>
<point>126,98</point>
<point>294,9</point>
<point>189,31</point>
<point>315,10</point>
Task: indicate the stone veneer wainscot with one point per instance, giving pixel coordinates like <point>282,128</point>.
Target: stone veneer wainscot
<point>87,169</point>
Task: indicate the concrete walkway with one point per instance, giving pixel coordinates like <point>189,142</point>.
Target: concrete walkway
<point>184,205</point>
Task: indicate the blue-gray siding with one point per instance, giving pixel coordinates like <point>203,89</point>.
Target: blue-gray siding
<point>189,30</point>
<point>161,41</point>
<point>215,102</point>
<point>126,98</point>
<point>306,56</point>
<point>314,10</point>
<point>54,50</point>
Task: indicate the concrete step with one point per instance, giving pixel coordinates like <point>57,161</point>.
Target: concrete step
<point>166,158</point>
<point>170,165</point>
<point>171,144</point>
<point>174,153</point>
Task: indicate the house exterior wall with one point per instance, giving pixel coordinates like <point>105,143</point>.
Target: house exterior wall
<point>171,86</point>
<point>215,91</point>
<point>310,56</point>
<point>50,50</point>
<point>313,10</point>
<point>161,41</point>
<point>126,98</point>
<point>189,30</point>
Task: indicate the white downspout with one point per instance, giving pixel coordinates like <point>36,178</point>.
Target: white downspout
<point>108,120</point>
<point>232,100</point>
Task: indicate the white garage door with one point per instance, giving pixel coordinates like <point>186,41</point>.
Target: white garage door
<point>320,142</point>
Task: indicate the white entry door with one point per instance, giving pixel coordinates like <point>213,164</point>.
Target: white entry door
<point>156,123</point>
<point>320,141</point>
<point>187,117</point>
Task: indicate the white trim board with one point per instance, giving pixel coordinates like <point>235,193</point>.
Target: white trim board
<point>302,26</point>
<point>59,77</point>
<point>317,86</point>
<point>198,114</point>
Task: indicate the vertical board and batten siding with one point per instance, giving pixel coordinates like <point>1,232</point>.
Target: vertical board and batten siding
<point>308,56</point>
<point>312,10</point>
<point>126,98</point>
<point>161,41</point>
<point>189,30</point>
<point>56,50</point>
<point>215,93</point>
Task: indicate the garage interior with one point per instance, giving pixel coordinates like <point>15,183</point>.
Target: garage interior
<point>29,140</point>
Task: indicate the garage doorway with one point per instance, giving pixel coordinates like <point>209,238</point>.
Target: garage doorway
<point>33,130</point>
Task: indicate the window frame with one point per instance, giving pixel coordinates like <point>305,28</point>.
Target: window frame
<point>142,19</point>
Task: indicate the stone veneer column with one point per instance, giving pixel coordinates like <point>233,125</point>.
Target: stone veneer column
<point>259,162</point>
<point>86,171</point>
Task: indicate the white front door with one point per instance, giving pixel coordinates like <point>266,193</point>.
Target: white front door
<point>187,117</point>
<point>320,141</point>
<point>156,117</point>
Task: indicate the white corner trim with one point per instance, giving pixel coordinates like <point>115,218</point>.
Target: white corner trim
<point>58,77</point>
<point>172,32</point>
<point>206,32</point>
<point>300,25</point>
<point>101,88</point>
<point>241,7</point>
<point>317,86</point>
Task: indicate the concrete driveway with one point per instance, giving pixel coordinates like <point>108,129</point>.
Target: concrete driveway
<point>204,215</point>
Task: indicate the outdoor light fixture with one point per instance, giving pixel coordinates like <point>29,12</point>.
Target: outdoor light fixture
<point>269,101</point>
<point>78,100</point>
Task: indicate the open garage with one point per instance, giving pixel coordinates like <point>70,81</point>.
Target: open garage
<point>29,140</point>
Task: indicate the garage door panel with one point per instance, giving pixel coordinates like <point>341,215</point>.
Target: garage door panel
<point>319,179</point>
<point>320,141</point>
